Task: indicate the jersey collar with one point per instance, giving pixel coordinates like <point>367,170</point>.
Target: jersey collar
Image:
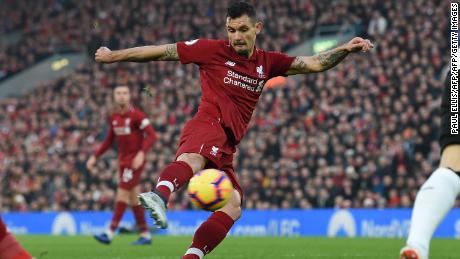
<point>118,110</point>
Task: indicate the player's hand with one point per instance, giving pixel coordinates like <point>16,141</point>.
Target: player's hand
<point>359,44</point>
<point>91,163</point>
<point>138,160</point>
<point>103,55</point>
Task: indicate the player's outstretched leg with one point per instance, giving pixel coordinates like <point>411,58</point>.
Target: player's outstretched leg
<point>9,247</point>
<point>211,233</point>
<point>434,200</point>
<point>172,178</point>
<point>120,207</point>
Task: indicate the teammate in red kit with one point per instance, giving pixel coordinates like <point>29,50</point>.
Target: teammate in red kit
<point>233,73</point>
<point>134,135</point>
<point>9,247</point>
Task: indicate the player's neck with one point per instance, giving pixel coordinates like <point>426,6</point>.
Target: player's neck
<point>247,55</point>
<point>250,54</point>
<point>122,108</point>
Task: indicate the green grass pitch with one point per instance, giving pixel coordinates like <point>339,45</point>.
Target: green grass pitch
<point>85,247</point>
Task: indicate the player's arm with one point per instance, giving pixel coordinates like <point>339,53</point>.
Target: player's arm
<point>101,150</point>
<point>106,144</point>
<point>147,143</point>
<point>327,59</point>
<point>167,52</point>
<point>149,138</point>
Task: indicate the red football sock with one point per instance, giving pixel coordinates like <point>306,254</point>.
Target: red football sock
<point>209,235</point>
<point>22,255</point>
<point>139,215</point>
<point>3,231</point>
<point>174,176</point>
<point>120,208</point>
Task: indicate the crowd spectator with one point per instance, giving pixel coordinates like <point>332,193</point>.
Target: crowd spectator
<point>49,27</point>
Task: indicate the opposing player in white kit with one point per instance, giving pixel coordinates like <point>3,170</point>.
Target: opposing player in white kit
<point>437,196</point>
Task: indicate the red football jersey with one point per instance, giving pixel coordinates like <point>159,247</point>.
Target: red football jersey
<point>231,84</point>
<point>128,130</point>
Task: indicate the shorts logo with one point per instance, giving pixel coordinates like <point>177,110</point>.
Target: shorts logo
<point>127,175</point>
<point>191,42</point>
<point>214,150</point>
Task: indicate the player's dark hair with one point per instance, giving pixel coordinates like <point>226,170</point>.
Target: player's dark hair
<point>240,8</point>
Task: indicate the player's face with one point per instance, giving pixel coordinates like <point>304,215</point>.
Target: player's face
<point>242,32</point>
<point>121,95</point>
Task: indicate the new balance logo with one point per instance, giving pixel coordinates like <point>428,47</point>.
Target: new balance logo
<point>191,42</point>
<point>230,63</point>
<point>214,151</point>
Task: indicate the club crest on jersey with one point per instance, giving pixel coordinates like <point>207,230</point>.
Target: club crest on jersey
<point>260,71</point>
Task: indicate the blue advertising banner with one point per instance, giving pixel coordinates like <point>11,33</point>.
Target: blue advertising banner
<point>321,222</point>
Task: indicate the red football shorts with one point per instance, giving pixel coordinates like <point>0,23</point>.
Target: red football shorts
<point>129,178</point>
<point>206,136</point>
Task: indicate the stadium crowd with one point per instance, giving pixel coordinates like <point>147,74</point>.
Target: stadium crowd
<point>49,27</point>
<point>361,135</point>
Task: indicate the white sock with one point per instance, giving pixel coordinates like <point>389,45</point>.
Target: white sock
<point>195,251</point>
<point>146,234</point>
<point>433,202</point>
<point>109,233</point>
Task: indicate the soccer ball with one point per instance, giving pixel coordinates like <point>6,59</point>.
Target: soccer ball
<point>210,189</point>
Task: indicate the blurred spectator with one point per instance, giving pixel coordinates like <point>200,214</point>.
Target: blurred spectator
<point>49,27</point>
<point>377,25</point>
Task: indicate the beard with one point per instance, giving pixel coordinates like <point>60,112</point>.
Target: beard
<point>243,52</point>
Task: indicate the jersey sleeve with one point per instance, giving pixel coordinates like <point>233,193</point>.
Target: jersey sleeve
<point>197,51</point>
<point>141,120</point>
<point>149,133</point>
<point>279,63</point>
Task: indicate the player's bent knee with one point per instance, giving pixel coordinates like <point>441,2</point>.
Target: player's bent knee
<point>233,211</point>
<point>233,207</point>
<point>195,161</point>
<point>450,156</point>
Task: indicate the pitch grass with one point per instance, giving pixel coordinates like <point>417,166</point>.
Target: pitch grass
<point>84,247</point>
